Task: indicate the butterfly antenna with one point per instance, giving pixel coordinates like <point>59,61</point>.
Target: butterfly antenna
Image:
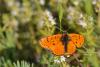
<point>61,29</point>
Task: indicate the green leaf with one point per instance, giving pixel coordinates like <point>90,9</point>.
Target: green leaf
<point>60,12</point>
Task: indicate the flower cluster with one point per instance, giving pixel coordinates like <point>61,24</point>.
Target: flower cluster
<point>61,59</point>
<point>50,17</point>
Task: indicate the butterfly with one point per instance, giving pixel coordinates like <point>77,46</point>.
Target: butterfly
<point>62,44</point>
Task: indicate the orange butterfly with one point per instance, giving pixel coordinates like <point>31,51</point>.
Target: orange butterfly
<point>61,44</point>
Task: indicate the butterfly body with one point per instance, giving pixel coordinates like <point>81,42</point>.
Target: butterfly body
<point>65,40</point>
<point>61,44</point>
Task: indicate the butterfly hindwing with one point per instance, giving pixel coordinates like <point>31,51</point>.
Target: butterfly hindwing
<point>71,48</point>
<point>58,49</point>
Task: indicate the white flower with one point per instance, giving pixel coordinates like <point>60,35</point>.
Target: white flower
<point>48,14</point>
<point>76,2</point>
<point>68,55</point>
<point>70,9</point>
<point>10,3</point>
<point>14,12</point>
<point>94,2</point>
<point>50,17</point>
<point>69,17</point>
<point>62,59</point>
<point>71,12</point>
<point>52,22</point>
<point>57,61</point>
<point>42,2</point>
<point>82,23</point>
<point>81,15</point>
<point>17,4</point>
<point>40,24</point>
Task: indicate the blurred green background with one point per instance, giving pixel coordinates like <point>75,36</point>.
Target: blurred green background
<point>24,22</point>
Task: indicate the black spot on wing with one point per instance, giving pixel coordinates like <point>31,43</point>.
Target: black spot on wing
<point>76,42</point>
<point>79,37</point>
<point>53,43</point>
